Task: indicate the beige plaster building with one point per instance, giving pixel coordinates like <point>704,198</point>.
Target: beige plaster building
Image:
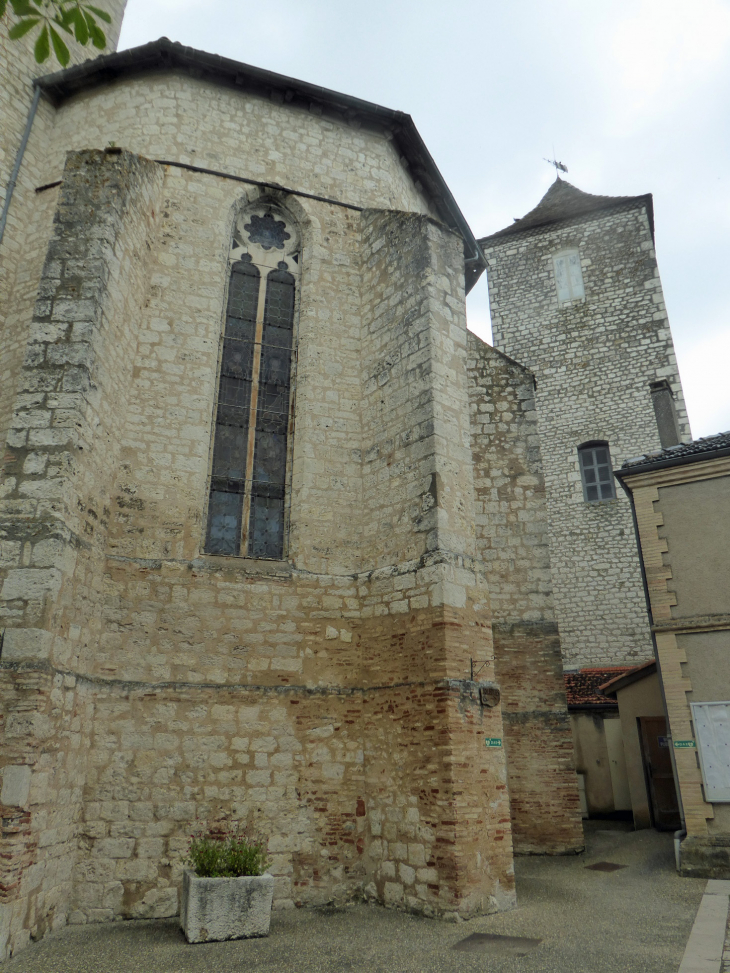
<point>644,737</point>
<point>681,500</point>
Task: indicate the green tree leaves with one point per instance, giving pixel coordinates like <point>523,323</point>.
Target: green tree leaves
<point>73,17</point>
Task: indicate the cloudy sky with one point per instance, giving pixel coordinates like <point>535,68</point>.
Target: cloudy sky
<point>632,95</point>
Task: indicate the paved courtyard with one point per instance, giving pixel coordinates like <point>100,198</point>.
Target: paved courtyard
<point>635,919</point>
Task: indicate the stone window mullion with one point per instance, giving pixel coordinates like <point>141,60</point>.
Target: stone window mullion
<point>253,408</point>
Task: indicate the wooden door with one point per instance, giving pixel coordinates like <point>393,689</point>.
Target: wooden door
<point>657,759</point>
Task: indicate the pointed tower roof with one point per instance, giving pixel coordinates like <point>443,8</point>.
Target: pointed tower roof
<point>563,201</point>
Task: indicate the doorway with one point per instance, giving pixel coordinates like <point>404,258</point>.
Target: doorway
<point>657,759</point>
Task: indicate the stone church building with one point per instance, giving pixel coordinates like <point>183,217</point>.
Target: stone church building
<point>281,542</point>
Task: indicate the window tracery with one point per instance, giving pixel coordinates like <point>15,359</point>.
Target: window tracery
<point>246,506</point>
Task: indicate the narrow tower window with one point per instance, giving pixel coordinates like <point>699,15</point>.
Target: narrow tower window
<point>246,506</point>
<point>596,472</point>
<point>568,276</point>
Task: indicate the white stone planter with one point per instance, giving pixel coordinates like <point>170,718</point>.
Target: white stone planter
<point>214,909</point>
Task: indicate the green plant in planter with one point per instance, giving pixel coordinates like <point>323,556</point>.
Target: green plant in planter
<point>227,853</point>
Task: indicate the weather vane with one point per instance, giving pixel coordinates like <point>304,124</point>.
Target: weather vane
<point>559,166</point>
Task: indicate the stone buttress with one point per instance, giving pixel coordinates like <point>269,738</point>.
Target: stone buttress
<point>512,540</point>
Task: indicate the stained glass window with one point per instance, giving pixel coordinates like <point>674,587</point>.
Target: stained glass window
<point>266,528</point>
<point>246,508</point>
<point>596,472</point>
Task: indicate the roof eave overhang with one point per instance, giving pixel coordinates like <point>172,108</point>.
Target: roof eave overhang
<point>628,679</point>
<point>608,706</point>
<point>164,55</point>
<point>663,464</point>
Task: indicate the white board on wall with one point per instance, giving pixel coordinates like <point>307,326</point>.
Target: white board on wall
<point>712,729</point>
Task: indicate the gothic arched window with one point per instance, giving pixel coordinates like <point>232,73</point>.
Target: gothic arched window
<point>246,506</point>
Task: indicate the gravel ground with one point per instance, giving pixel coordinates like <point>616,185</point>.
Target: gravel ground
<point>633,920</point>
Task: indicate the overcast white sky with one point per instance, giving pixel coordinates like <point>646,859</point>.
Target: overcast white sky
<point>632,94</point>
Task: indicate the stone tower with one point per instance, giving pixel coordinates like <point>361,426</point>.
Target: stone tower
<point>575,295</point>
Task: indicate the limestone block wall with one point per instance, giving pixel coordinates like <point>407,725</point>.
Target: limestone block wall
<point>331,709</point>
<point>58,469</point>
<point>417,485</point>
<point>72,392</point>
<point>419,511</point>
<point>593,361</point>
<point>18,68</point>
<point>174,116</point>
<point>512,540</point>
<point>22,250</point>
<point>178,118</point>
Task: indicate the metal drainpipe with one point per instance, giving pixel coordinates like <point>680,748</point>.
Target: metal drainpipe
<point>18,160</point>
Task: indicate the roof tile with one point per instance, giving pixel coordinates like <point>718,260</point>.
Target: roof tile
<point>708,444</point>
<point>561,202</point>
<point>582,688</point>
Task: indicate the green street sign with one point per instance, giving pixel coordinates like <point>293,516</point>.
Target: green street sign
<point>685,745</point>
<point>493,741</point>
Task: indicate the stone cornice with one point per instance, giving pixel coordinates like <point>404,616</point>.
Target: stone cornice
<point>694,623</point>
<point>688,472</point>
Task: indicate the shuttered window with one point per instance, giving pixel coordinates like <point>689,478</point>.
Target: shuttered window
<point>596,472</point>
<point>712,727</point>
<point>246,507</point>
<point>568,276</point>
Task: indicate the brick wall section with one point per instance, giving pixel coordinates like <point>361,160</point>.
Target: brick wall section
<point>512,540</point>
<point>362,670</point>
<point>546,816</point>
<point>418,507</point>
<point>45,730</point>
<point>300,766</point>
<point>593,361</point>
